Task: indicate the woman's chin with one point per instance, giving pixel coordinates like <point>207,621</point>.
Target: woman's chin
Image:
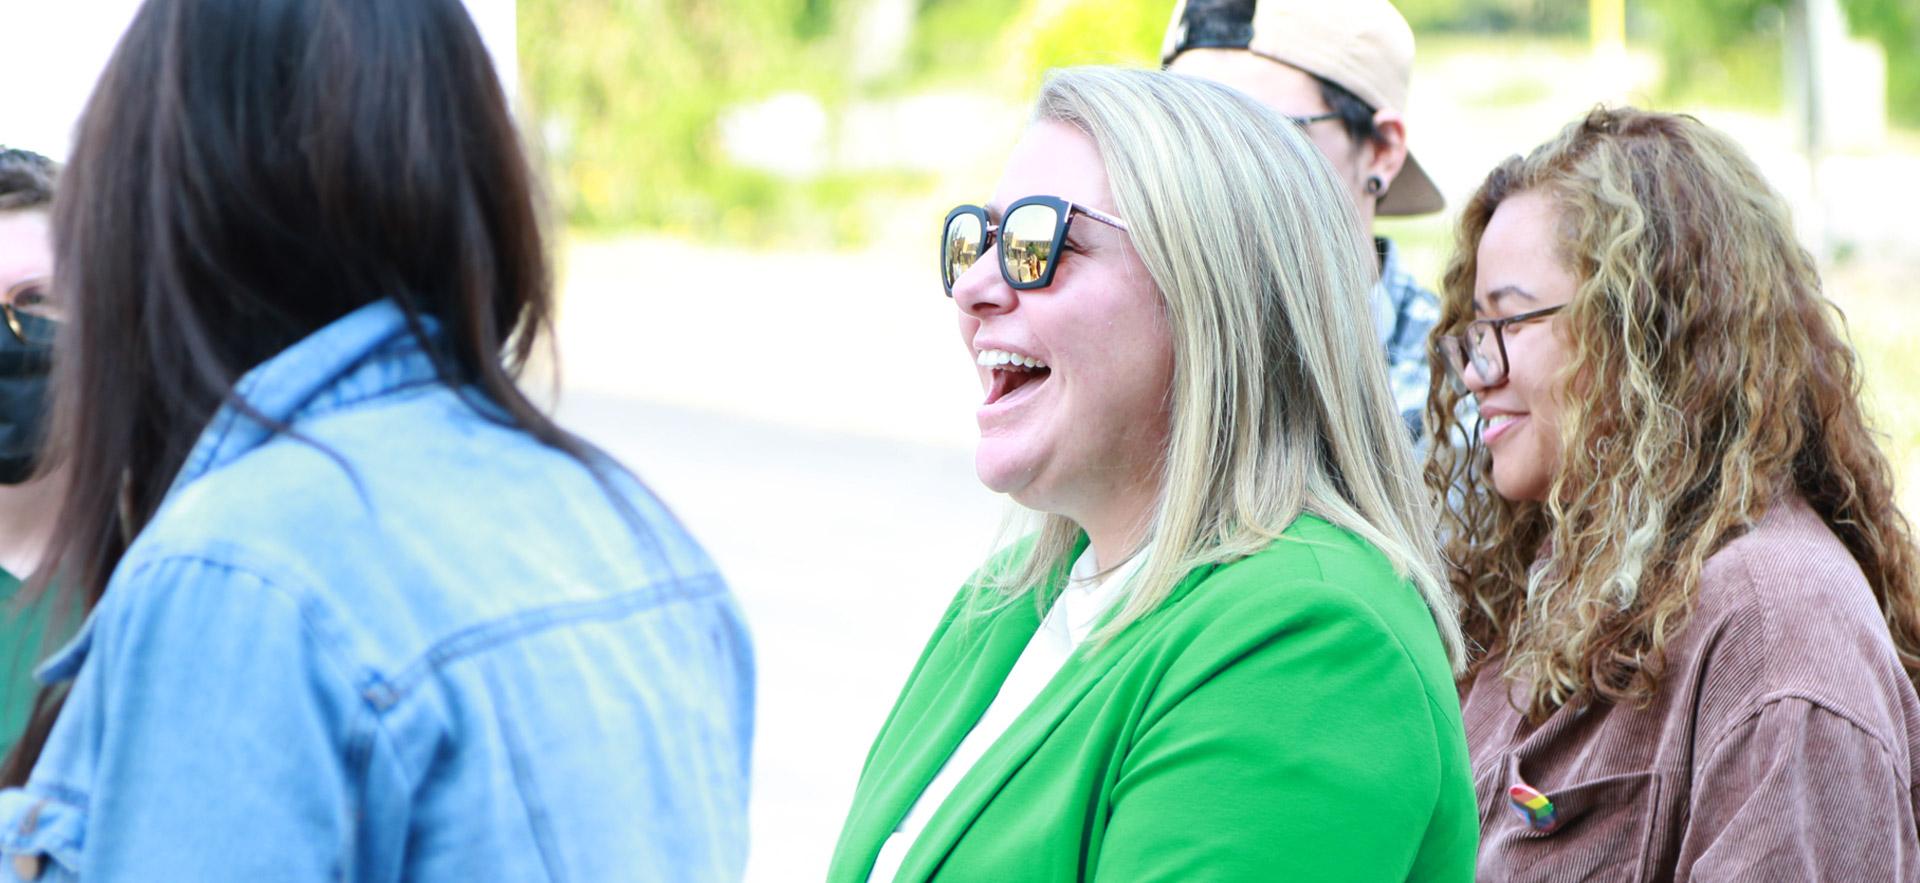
<point>1003,471</point>
<point>1518,485</point>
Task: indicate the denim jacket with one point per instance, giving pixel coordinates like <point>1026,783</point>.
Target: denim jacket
<point>401,641</point>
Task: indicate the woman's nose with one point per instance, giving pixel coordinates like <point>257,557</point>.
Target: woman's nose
<point>1485,368</point>
<point>980,291</point>
<point>1475,380</point>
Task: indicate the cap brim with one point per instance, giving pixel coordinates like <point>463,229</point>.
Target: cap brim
<point>1412,193</point>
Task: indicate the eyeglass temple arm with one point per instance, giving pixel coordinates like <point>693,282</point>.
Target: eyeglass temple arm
<point>1098,215</point>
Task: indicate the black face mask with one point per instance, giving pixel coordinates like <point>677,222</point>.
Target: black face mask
<point>23,404</point>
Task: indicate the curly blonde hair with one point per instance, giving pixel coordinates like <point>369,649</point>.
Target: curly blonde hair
<point>1708,378</point>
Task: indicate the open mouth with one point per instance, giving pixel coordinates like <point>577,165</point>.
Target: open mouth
<point>1012,374</point>
<point>1497,426</point>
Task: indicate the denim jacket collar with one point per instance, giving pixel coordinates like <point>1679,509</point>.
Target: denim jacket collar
<point>362,355</point>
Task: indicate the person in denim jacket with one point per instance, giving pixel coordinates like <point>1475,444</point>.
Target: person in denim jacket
<point>358,610</point>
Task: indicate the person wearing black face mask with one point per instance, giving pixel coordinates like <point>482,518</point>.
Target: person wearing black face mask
<point>26,498</point>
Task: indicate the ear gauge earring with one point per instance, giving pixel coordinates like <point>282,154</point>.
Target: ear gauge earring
<point>1376,185</point>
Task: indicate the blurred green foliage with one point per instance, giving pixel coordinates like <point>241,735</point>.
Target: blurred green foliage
<point>626,95</point>
<point>1007,46</point>
<point>1088,32</point>
<point>1484,16</point>
<point>1729,51</point>
<point>1896,24</point>
<point>954,42</point>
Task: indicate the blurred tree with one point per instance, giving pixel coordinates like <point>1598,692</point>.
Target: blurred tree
<point>1061,33</point>
<point>1006,46</point>
<point>1730,49</point>
<point>1483,16</point>
<point>953,41</point>
<point>626,94</point>
<point>1896,24</point>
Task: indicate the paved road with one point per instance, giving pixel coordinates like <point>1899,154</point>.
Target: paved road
<point>843,551</point>
<point>810,418</point>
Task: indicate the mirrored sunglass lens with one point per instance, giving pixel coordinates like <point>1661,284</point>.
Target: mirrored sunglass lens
<point>1026,242</point>
<point>961,247</point>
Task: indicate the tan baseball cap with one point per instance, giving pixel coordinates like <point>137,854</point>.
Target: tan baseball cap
<point>1363,46</point>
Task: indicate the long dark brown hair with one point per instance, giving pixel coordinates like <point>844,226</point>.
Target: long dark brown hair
<point>1709,379</point>
<point>246,172</point>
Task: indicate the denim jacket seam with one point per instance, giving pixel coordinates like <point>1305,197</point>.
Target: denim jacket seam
<point>366,741</point>
<point>405,390</point>
<point>337,659</point>
<point>482,636</point>
<point>228,418</point>
<point>79,798</point>
<point>539,819</point>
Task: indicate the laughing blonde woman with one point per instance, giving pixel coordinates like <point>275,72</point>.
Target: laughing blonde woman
<point>1675,535</point>
<point>1226,653</point>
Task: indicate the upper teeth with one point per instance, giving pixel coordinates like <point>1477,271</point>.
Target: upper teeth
<point>996,358</point>
<point>1501,419</point>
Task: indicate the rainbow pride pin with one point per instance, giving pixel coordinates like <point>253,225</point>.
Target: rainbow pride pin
<point>1534,808</point>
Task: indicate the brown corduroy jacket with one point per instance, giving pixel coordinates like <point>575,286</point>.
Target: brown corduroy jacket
<point>1782,744</point>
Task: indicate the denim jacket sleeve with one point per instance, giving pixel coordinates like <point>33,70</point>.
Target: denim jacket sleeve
<point>253,747</point>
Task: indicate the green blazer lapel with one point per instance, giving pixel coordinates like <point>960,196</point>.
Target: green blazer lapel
<point>945,696</point>
<point>1023,737</point>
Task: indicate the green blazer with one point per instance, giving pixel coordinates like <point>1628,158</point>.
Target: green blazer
<point>1288,716</point>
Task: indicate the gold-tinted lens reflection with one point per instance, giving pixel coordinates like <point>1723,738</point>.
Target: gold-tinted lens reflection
<point>962,246</point>
<point>31,313</point>
<point>31,329</point>
<point>1026,242</point>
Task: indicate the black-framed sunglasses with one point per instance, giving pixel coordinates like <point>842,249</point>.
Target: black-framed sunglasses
<point>1030,237</point>
<point>1470,346</point>
<point>30,312</point>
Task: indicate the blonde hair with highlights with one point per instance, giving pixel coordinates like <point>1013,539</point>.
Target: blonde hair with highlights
<point>1279,402</point>
<point>1708,379</point>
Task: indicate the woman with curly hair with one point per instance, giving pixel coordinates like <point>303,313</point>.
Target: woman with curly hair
<point>1693,599</point>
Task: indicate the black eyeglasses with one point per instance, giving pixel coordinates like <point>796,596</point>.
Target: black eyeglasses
<point>30,311</point>
<point>1470,347</point>
<point>1030,238</point>
<point>1306,121</point>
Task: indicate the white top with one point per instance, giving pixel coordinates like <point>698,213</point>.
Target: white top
<point>1066,627</point>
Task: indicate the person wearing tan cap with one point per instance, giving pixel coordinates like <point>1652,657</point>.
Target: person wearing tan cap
<point>1340,72</point>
